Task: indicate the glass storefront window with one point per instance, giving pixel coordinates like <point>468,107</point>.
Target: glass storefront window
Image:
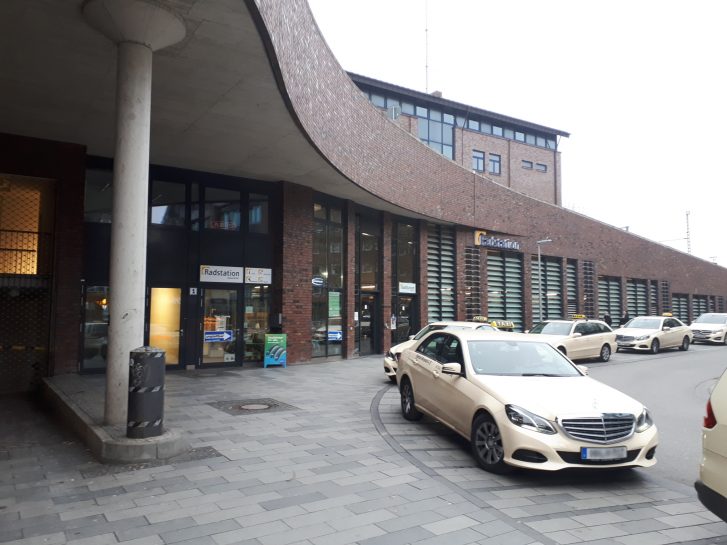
<point>222,209</point>
<point>369,262</point>
<point>168,203</point>
<point>406,252</point>
<point>258,214</point>
<point>320,265</point>
<point>95,328</point>
<point>335,257</point>
<point>257,318</point>
<point>164,322</point>
<point>319,322</point>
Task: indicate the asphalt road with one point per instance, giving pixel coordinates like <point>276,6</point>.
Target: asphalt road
<point>675,385</point>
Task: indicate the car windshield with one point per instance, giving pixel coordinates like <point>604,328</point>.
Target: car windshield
<point>644,323</point>
<point>711,319</point>
<point>552,328</point>
<point>437,327</point>
<point>520,359</point>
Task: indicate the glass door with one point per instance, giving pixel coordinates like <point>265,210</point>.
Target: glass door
<point>165,318</point>
<point>368,325</point>
<point>220,327</point>
<point>401,326</point>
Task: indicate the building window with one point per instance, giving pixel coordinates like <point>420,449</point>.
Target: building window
<point>495,164</point>
<point>378,101</point>
<point>98,196</point>
<point>168,203</point>
<point>497,131</point>
<point>519,136</point>
<point>473,124</point>
<point>540,167</point>
<point>222,209</point>
<point>478,161</point>
<point>437,134</point>
<point>258,214</point>
<point>527,164</point>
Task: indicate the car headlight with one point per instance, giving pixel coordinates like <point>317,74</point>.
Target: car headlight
<point>644,422</point>
<point>642,337</point>
<point>526,419</point>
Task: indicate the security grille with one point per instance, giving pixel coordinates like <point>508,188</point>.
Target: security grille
<point>25,281</point>
<point>505,288</point>
<point>609,296</point>
<point>637,301</point>
<point>653,299</point>
<point>589,275</point>
<point>472,301</point>
<point>550,278</point>
<point>572,286</point>
<point>700,305</point>
<point>607,428</point>
<point>440,273</point>
<point>665,296</point>
<point>720,303</point>
<point>680,306</point>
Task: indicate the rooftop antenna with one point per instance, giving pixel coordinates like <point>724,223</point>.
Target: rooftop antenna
<point>426,46</point>
<point>689,238</point>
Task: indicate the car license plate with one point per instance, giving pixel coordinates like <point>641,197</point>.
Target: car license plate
<point>600,453</point>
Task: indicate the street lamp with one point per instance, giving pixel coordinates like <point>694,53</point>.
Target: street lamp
<point>540,278</point>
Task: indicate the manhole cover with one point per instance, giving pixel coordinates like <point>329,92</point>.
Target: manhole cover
<point>237,407</point>
<point>255,407</point>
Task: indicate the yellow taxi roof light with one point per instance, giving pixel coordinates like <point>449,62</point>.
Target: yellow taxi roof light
<point>668,314</point>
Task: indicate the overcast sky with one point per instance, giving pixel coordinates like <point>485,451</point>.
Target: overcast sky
<point>639,85</point>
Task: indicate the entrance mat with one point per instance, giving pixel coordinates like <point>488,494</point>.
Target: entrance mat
<point>251,406</point>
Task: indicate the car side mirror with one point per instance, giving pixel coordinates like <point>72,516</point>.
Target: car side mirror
<point>583,369</point>
<point>666,328</point>
<point>452,369</point>
<point>576,335</point>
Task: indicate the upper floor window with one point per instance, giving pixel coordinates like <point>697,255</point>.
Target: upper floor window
<point>222,209</point>
<point>527,164</point>
<point>168,203</point>
<point>495,164</point>
<point>478,161</point>
<point>437,132</point>
<point>540,167</point>
<point>257,212</point>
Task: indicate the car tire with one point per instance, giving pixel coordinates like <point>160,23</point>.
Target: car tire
<point>487,447</point>
<point>685,344</point>
<point>605,354</point>
<point>654,346</point>
<point>408,409</point>
<point>392,379</point>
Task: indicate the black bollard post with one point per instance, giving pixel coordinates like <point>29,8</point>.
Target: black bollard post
<point>146,393</point>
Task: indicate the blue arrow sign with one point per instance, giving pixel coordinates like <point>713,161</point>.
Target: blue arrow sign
<point>217,336</point>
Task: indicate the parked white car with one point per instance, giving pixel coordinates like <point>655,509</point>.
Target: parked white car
<point>578,338</point>
<point>710,327</point>
<point>653,333</point>
<point>712,484</point>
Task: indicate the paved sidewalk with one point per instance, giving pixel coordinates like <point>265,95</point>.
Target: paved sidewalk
<point>330,461</point>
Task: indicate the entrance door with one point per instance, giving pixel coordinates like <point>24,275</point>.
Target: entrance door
<point>402,327</point>
<point>368,325</point>
<point>221,328</point>
<point>165,319</point>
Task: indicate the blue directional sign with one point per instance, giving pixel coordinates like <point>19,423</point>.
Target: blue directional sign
<point>217,336</point>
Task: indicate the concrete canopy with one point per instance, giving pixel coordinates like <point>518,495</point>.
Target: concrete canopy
<point>216,104</point>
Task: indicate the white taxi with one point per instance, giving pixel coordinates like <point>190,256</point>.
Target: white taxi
<point>712,484</point>
<point>521,402</point>
<point>578,338</point>
<point>392,356</point>
<point>710,327</point>
<point>652,333</point>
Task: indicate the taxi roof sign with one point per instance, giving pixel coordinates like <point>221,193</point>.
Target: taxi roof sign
<point>479,318</point>
<point>578,316</point>
<point>667,314</point>
<point>503,324</point>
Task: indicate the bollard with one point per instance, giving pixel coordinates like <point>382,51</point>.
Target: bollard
<point>146,393</point>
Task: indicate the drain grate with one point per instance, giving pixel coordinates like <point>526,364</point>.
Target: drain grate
<point>251,406</point>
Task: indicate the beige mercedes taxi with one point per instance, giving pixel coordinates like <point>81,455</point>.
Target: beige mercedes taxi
<point>521,402</point>
<point>392,356</point>
<point>653,333</point>
<point>710,327</point>
<point>712,484</point>
<point>578,338</point>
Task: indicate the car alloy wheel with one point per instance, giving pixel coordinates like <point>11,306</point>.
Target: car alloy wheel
<point>408,410</point>
<point>654,346</point>
<point>605,353</point>
<point>487,445</point>
<point>685,343</point>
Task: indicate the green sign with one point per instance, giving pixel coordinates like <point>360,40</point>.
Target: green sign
<point>276,352</point>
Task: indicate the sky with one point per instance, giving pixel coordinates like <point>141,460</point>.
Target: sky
<point>640,85</point>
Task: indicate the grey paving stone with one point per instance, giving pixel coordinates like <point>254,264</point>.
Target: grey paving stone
<point>493,528</point>
<point>102,539</point>
<point>409,521</point>
<point>554,524</point>
<point>250,532</point>
<point>512,538</point>
<point>641,526</point>
<point>146,530</point>
<point>691,533</point>
<point>563,537</point>
<point>592,533</point>
<point>199,531</point>
<point>402,537</point>
<point>688,519</point>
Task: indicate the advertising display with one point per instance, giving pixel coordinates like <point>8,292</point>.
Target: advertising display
<point>276,349</point>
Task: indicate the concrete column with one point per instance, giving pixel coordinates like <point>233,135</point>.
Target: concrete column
<point>139,27</point>
<point>129,218</point>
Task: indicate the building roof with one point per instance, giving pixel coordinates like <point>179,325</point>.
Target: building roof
<point>452,105</point>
